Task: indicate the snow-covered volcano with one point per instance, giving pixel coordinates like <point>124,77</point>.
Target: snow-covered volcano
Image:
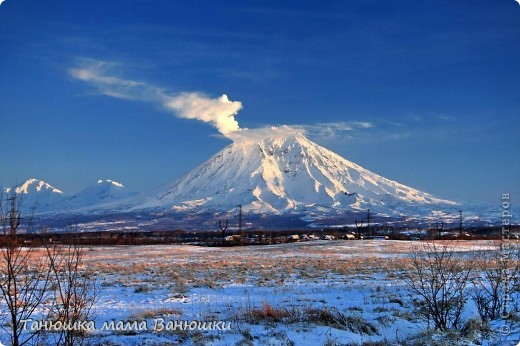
<point>268,171</point>
<point>279,171</point>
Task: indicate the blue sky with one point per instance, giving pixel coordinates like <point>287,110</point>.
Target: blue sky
<point>426,93</point>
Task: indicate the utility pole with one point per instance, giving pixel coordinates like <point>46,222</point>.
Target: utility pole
<point>223,228</point>
<point>240,222</point>
<point>359,226</point>
<point>14,216</point>
<point>439,228</point>
<point>460,224</point>
<point>368,223</point>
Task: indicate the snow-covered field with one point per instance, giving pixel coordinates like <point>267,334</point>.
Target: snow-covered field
<point>309,293</point>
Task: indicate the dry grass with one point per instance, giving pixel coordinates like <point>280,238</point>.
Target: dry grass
<point>269,314</point>
<point>325,316</point>
<point>156,313</point>
<point>182,267</point>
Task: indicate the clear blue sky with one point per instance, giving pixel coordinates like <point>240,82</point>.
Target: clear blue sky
<point>423,92</point>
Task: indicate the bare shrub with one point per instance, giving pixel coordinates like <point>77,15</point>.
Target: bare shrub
<point>75,290</point>
<point>473,328</point>
<point>439,278</point>
<point>24,276</point>
<point>498,270</point>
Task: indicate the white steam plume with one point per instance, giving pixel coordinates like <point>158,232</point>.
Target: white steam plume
<point>219,112</point>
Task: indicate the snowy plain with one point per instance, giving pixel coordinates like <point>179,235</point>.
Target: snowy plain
<point>304,293</point>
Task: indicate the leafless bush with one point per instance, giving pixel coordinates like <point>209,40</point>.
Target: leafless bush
<point>499,269</point>
<point>24,276</point>
<point>36,280</point>
<point>439,278</point>
<point>75,290</point>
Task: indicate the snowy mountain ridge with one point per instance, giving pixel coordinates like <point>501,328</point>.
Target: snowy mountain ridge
<point>34,186</point>
<point>282,171</point>
<point>42,197</point>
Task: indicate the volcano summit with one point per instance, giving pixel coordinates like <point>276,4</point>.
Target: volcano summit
<point>279,171</point>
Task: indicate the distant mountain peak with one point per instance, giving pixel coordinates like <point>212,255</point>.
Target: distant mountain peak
<point>106,190</point>
<point>110,182</point>
<point>36,185</point>
<point>36,194</point>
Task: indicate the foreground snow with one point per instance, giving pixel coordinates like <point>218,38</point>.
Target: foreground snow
<point>313,293</point>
